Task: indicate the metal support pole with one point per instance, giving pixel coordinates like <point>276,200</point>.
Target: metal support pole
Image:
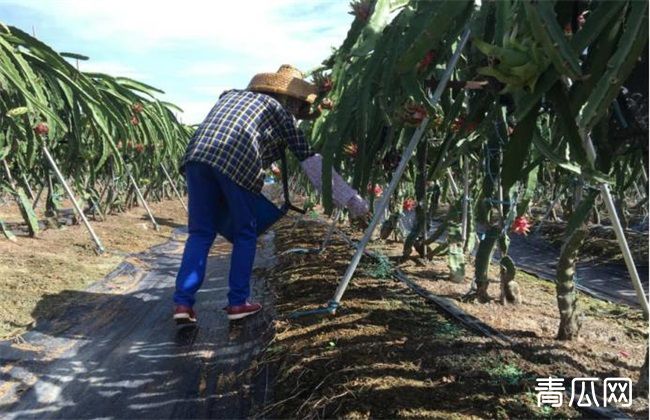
<point>465,199</point>
<point>500,206</point>
<point>102,194</point>
<point>38,196</point>
<point>452,183</point>
<point>625,249</point>
<point>424,209</point>
<point>638,191</point>
<point>142,200</point>
<point>396,177</point>
<point>645,182</point>
<point>11,180</point>
<point>169,178</point>
<point>8,174</point>
<point>29,188</point>
<point>100,247</point>
<point>644,174</point>
<point>31,220</point>
<point>330,229</point>
<point>548,212</point>
<point>618,229</point>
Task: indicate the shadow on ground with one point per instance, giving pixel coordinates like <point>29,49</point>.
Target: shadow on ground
<point>388,353</point>
<point>115,352</point>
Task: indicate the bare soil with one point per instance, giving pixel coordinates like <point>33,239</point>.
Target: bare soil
<point>65,258</point>
<point>388,353</point>
<point>613,338</point>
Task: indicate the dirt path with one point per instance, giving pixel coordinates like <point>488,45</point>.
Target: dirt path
<point>115,350</point>
<point>607,281</point>
<point>64,258</point>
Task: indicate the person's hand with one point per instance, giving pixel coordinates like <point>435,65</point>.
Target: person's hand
<point>359,211</point>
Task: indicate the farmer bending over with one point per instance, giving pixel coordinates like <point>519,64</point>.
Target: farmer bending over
<point>224,166</point>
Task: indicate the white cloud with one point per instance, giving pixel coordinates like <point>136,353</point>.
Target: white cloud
<point>212,89</point>
<point>254,28</point>
<point>113,68</point>
<point>194,111</point>
<point>192,49</point>
<point>211,68</point>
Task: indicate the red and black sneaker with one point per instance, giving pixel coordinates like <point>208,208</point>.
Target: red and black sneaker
<point>184,315</point>
<point>242,311</point>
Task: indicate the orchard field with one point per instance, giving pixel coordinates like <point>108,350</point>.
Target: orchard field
<point>503,148</point>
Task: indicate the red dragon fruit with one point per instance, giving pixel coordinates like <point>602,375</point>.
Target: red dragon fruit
<point>521,225</point>
<point>377,190</point>
<point>409,204</point>
<point>137,107</point>
<point>41,129</point>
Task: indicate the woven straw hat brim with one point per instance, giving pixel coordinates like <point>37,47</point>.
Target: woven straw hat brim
<point>285,84</point>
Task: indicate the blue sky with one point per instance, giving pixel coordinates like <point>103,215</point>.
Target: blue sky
<point>190,49</point>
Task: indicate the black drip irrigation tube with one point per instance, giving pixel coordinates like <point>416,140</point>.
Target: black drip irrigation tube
<point>451,309</point>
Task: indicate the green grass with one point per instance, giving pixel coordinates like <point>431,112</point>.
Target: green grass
<point>382,269</point>
<point>506,373</point>
<point>545,411</point>
<point>448,329</point>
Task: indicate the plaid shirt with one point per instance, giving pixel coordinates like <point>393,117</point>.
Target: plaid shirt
<point>243,134</point>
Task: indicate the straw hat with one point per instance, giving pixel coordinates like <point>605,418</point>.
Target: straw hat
<point>288,80</point>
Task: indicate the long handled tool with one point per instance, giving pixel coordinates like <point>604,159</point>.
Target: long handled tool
<point>328,236</point>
